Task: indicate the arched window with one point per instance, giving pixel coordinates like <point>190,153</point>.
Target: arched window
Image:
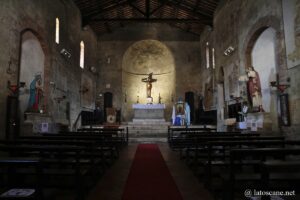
<point>81,54</point>
<point>57,30</point>
<point>213,58</point>
<point>207,55</point>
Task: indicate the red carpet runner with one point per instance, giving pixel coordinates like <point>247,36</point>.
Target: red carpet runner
<point>149,177</point>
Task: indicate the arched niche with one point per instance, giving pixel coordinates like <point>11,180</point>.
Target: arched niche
<point>267,30</point>
<point>32,61</point>
<point>141,58</point>
<point>263,60</point>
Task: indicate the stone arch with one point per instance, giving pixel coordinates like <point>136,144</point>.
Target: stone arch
<point>256,30</point>
<point>32,61</point>
<point>28,24</point>
<point>253,35</point>
<point>140,59</point>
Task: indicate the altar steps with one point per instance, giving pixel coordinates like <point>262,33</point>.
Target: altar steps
<point>148,132</point>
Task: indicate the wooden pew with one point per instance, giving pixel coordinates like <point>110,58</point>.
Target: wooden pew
<point>94,152</point>
<point>218,152</point>
<point>11,179</point>
<point>197,143</point>
<point>121,132</point>
<point>109,147</point>
<point>173,130</point>
<point>255,157</point>
<point>281,176</point>
<point>61,165</point>
<point>190,139</point>
<point>119,138</point>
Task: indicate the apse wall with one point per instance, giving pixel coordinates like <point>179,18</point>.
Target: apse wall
<point>184,48</point>
<point>140,59</point>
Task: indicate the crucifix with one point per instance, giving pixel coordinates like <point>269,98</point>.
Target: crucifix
<point>149,80</point>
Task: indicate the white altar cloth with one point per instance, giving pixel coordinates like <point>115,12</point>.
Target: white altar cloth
<point>146,112</point>
<point>148,106</point>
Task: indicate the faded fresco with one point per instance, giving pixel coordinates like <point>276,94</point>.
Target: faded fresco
<point>87,92</point>
<point>291,16</point>
<point>295,55</point>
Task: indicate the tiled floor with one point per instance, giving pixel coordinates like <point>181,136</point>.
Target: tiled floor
<point>111,185</point>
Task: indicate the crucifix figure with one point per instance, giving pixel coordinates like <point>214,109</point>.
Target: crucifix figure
<point>149,80</point>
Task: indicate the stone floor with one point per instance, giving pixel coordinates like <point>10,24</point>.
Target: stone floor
<point>110,186</point>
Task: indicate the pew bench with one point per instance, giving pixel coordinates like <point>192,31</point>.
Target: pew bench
<point>11,185</point>
<point>62,166</point>
<point>241,179</point>
<point>218,158</point>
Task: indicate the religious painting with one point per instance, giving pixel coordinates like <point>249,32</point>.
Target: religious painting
<point>179,108</point>
<point>291,17</point>
<point>233,80</point>
<point>87,92</point>
<point>208,95</point>
<point>284,110</point>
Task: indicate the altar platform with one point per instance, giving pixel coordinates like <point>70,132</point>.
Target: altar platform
<point>148,123</point>
<point>144,113</point>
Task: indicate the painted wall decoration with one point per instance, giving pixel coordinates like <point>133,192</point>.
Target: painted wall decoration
<point>284,110</point>
<point>291,16</point>
<point>208,95</point>
<point>87,92</point>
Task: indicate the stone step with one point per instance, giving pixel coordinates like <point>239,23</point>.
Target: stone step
<point>148,122</point>
<point>149,128</point>
<point>148,140</point>
<point>145,133</point>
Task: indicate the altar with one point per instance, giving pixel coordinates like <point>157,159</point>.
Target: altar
<point>152,112</point>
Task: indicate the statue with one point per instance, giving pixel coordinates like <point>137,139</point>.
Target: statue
<point>36,93</point>
<point>149,80</point>
<point>254,89</point>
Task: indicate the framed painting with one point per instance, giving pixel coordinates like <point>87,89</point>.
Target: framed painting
<point>284,110</point>
<point>87,92</point>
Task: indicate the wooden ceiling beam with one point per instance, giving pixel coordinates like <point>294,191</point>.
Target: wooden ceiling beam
<point>136,8</point>
<point>182,6</point>
<point>108,29</point>
<point>86,18</point>
<point>154,20</point>
<point>147,8</point>
<point>158,8</point>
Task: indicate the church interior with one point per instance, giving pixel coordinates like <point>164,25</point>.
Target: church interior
<point>150,99</point>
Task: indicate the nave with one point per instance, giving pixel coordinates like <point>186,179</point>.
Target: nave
<point>196,163</point>
<point>94,91</point>
<point>112,184</point>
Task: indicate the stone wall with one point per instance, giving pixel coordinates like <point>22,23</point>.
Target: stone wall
<point>291,16</point>
<point>63,73</point>
<point>238,24</point>
<point>183,46</point>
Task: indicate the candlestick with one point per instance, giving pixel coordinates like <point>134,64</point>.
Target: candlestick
<point>159,98</point>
